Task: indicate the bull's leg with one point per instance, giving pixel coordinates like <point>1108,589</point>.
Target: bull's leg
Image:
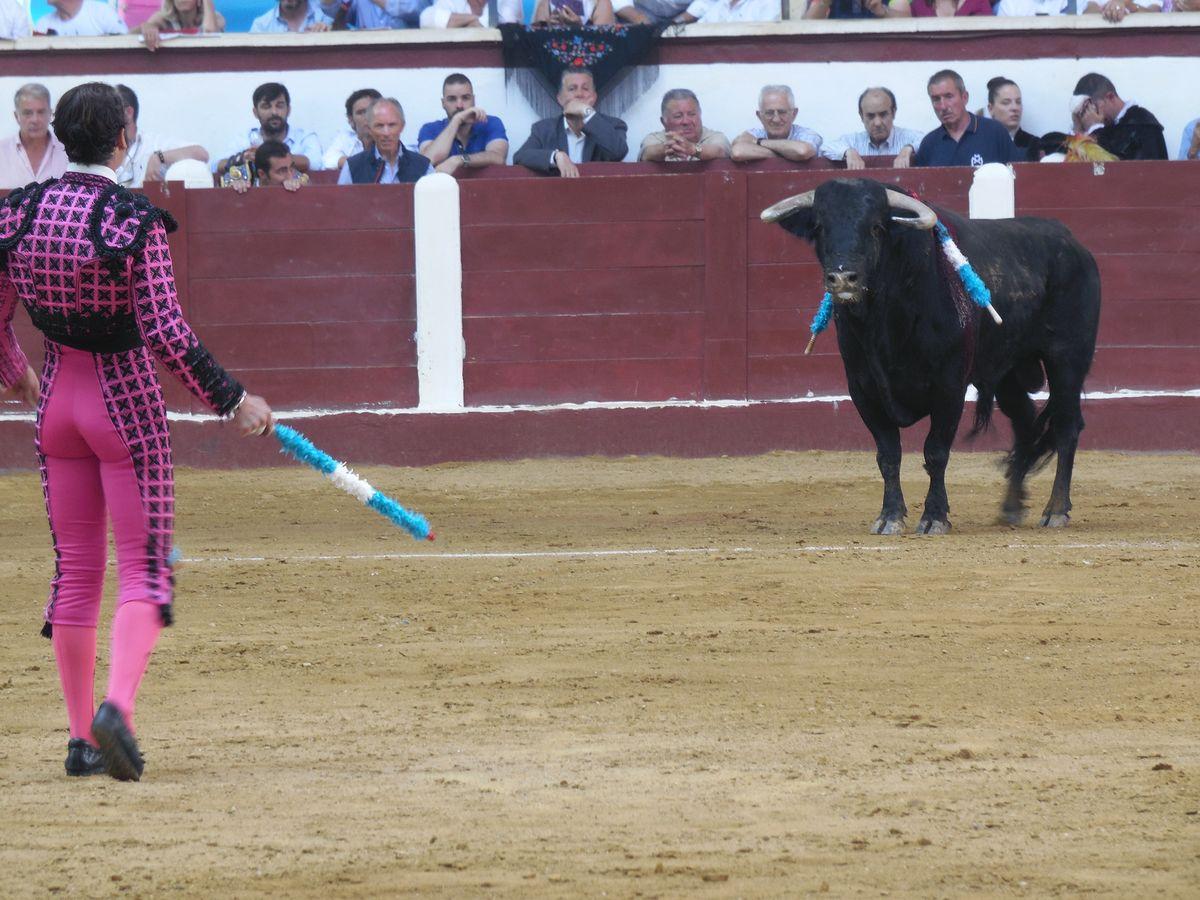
<point>1017,405</point>
<point>1066,421</point>
<point>943,423</point>
<point>887,456</point>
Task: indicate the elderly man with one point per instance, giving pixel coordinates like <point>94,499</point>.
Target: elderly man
<point>271,105</point>
<point>580,135</point>
<point>777,134</point>
<point>1125,130</point>
<point>882,137</point>
<point>33,153</point>
<point>354,138</point>
<point>149,156</point>
<point>963,139</point>
<point>292,15</point>
<point>80,18</point>
<point>388,161</point>
<point>468,138</point>
<point>684,136</point>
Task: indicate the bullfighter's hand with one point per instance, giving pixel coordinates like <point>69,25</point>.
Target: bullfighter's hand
<point>26,388</point>
<point>253,416</point>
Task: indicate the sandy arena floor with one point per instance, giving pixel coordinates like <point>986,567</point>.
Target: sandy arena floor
<point>786,706</point>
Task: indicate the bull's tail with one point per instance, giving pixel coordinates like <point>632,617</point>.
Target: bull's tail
<point>984,404</point>
<point>1041,444</point>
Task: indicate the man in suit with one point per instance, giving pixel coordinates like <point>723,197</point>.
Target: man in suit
<point>579,135</point>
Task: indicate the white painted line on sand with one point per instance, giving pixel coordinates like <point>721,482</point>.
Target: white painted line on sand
<point>671,551</point>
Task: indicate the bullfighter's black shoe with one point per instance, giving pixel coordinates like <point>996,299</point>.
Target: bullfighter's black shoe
<point>122,758</point>
<point>83,758</point>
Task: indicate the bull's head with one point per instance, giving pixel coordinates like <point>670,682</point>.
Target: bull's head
<point>848,221</point>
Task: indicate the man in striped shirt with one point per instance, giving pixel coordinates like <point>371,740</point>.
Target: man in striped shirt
<point>881,137</point>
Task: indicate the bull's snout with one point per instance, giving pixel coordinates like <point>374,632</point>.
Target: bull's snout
<point>843,285</point>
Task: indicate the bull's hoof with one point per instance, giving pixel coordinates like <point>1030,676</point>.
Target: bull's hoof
<point>1013,517</point>
<point>888,526</point>
<point>933,526</point>
<point>1056,520</point>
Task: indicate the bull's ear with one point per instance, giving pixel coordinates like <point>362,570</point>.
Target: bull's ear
<point>794,214</point>
<point>799,223</point>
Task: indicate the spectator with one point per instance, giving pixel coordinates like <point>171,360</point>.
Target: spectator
<point>1004,106</point>
<point>923,9</point>
<point>356,137</point>
<point>1189,145</point>
<point>779,135</point>
<point>291,15</point>
<point>1034,7</point>
<point>1181,6</point>
<point>149,156</point>
<point>655,12</point>
<point>179,16</point>
<point>712,12</point>
<point>273,166</point>
<point>80,18</point>
<point>1116,10</point>
<point>573,13</point>
<point>882,137</point>
<point>377,15</point>
<point>33,153</point>
<point>271,106</point>
<point>14,20</point>
<point>963,139</point>
<point>1126,130</point>
<point>560,143</point>
<point>469,14</point>
<point>684,136</point>
<point>855,9</point>
<point>388,161</point>
<point>468,138</point>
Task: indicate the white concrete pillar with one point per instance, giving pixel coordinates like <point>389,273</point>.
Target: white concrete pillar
<point>993,193</point>
<point>440,345</point>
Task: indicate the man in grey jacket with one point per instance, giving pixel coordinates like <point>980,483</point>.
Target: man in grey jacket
<point>557,145</point>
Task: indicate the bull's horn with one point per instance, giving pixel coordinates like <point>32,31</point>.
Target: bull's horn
<point>926,217</point>
<point>785,208</point>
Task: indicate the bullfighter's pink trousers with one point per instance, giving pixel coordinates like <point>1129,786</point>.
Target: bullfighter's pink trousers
<point>89,477</point>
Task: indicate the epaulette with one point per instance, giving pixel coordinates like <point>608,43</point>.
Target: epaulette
<point>121,222</point>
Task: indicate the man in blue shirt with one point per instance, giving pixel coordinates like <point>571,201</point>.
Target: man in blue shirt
<point>963,139</point>
<point>468,138</point>
<point>291,15</point>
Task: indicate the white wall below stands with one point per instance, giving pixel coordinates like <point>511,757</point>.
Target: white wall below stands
<point>213,108</point>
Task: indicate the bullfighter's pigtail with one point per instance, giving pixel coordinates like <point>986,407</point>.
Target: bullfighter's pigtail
<point>297,446</point>
<point>973,284</point>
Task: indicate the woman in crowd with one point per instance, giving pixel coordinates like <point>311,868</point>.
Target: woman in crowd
<point>1004,105</point>
<point>182,16</point>
<point>91,264</point>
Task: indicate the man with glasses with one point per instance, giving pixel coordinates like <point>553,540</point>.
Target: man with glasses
<point>777,134</point>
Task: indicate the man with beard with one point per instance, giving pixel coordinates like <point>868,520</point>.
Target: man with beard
<point>272,106</point>
<point>1124,129</point>
<point>963,139</point>
<point>388,161</point>
<point>468,138</point>
<point>684,136</point>
<point>881,137</point>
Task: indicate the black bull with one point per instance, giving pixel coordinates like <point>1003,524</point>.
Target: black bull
<point>910,351</point>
